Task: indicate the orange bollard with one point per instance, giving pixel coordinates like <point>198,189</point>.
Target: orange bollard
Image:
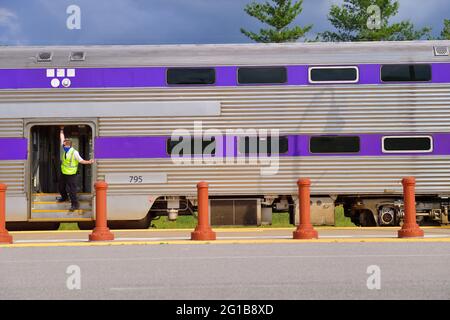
<point>203,230</point>
<point>5,237</point>
<point>410,228</point>
<point>101,231</point>
<point>305,229</point>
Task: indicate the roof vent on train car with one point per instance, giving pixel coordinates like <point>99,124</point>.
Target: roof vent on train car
<point>44,56</point>
<point>441,51</point>
<point>77,56</point>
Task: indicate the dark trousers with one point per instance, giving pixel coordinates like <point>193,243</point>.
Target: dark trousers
<point>68,184</point>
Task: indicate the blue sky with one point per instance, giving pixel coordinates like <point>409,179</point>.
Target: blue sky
<point>43,22</point>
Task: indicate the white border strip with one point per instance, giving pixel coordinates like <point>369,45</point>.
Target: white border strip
<point>334,67</point>
<point>407,151</point>
<point>93,109</point>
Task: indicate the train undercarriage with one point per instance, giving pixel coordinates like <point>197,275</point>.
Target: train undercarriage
<point>388,211</point>
<point>365,211</point>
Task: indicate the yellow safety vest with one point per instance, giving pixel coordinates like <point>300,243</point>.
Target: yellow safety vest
<point>69,165</point>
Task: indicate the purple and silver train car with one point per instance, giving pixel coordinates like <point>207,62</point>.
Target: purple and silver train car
<point>353,117</point>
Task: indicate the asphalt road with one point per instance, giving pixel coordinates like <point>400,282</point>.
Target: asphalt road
<point>227,271</point>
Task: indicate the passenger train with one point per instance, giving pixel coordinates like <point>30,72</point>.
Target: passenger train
<point>353,117</point>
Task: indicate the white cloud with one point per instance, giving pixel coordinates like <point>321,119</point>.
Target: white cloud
<point>7,18</point>
<point>425,13</point>
<point>9,27</point>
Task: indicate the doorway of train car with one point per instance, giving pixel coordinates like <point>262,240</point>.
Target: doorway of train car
<point>45,166</point>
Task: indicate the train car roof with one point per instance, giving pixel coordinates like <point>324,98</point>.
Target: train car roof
<point>226,54</point>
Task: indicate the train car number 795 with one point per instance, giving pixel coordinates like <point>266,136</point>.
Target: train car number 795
<point>136,179</point>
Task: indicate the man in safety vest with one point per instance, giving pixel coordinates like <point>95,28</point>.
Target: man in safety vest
<point>70,158</point>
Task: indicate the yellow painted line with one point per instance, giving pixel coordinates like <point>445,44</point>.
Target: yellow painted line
<point>49,231</point>
<point>58,210</point>
<point>55,220</point>
<point>56,194</point>
<point>315,227</point>
<point>54,202</point>
<point>255,241</point>
<point>376,228</point>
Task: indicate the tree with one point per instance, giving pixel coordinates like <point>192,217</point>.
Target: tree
<point>368,20</point>
<point>445,34</point>
<point>278,15</point>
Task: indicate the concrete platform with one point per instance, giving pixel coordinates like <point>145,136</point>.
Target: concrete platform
<point>224,235</point>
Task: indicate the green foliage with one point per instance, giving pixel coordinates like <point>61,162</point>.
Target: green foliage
<point>278,15</point>
<point>182,222</point>
<point>279,220</point>
<point>68,226</point>
<point>351,22</point>
<point>445,34</point>
<point>340,220</point>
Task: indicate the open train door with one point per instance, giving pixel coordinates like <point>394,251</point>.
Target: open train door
<point>44,172</point>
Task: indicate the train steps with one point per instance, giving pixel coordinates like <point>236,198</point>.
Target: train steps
<point>45,207</point>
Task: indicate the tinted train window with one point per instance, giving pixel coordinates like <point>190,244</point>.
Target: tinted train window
<point>410,144</point>
<point>406,72</point>
<point>334,144</point>
<point>171,144</point>
<point>255,75</point>
<point>191,76</point>
<point>334,74</point>
<point>263,144</point>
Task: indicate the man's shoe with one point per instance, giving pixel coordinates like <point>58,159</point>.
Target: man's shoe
<point>73,208</point>
<point>61,200</point>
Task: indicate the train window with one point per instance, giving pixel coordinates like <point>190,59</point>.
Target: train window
<point>405,72</point>
<point>261,144</point>
<point>260,75</point>
<point>407,144</point>
<point>333,74</point>
<point>192,147</point>
<point>185,76</point>
<point>334,144</point>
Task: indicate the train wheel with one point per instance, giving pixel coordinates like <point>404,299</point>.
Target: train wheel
<point>366,219</point>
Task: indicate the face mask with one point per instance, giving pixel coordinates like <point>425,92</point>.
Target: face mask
<point>66,149</point>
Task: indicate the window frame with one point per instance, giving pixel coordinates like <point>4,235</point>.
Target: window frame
<point>310,68</point>
<point>406,64</point>
<point>258,139</point>
<point>190,84</point>
<point>261,83</point>
<point>407,151</point>
<point>193,138</point>
<point>323,136</point>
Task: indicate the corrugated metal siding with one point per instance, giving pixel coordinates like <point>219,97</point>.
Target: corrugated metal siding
<point>11,128</point>
<point>309,109</point>
<point>347,109</point>
<point>337,175</point>
<point>12,174</point>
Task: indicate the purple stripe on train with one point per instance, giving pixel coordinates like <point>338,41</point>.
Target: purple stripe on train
<point>298,145</point>
<point>141,77</point>
<point>156,147</point>
<point>13,149</point>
